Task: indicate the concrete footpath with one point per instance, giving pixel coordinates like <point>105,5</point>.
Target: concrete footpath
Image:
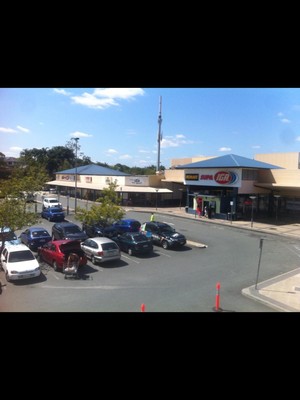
<point>282,292</point>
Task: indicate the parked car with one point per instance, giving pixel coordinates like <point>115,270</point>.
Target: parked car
<point>9,236</point>
<point>98,230</point>
<point>18,262</point>
<point>101,249</point>
<point>67,230</point>
<point>35,237</point>
<point>51,202</point>
<point>134,243</point>
<point>127,225</point>
<point>163,234</point>
<point>56,253</point>
<point>53,214</point>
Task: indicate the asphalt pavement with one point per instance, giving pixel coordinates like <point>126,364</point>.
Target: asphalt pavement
<point>282,292</point>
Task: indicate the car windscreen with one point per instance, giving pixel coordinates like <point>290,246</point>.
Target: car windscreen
<point>8,236</point>
<point>40,234</point>
<point>166,229</point>
<point>55,209</point>
<point>139,238</point>
<point>109,246</point>
<point>23,255</point>
<point>72,229</point>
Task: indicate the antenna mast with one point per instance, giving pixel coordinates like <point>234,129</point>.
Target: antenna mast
<point>159,135</point>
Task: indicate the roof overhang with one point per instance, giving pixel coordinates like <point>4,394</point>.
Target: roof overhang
<point>277,186</point>
<point>121,189</point>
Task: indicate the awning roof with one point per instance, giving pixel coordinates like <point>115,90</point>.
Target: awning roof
<point>123,189</point>
<point>277,186</point>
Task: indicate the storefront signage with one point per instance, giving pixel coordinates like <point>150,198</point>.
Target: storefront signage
<point>191,177</point>
<point>225,177</point>
<point>213,177</point>
<point>67,178</point>
<point>136,181</point>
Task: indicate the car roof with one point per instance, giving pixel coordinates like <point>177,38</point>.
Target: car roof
<point>5,229</point>
<point>37,228</point>
<point>65,223</point>
<point>16,247</point>
<point>101,240</point>
<point>51,198</point>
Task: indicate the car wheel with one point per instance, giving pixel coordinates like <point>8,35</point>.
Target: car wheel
<point>165,244</point>
<point>55,267</point>
<point>7,277</point>
<point>93,260</point>
<point>130,252</point>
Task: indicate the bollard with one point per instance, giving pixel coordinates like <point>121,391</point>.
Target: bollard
<point>143,307</point>
<point>217,307</point>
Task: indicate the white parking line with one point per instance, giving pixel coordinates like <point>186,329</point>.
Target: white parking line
<point>131,259</point>
<point>163,254</point>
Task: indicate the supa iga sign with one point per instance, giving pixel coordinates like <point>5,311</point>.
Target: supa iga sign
<point>213,177</point>
<point>226,177</point>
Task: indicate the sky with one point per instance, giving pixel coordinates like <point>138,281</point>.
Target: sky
<point>120,125</point>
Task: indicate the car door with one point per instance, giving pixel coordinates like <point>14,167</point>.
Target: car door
<point>87,246</point>
<point>24,236</point>
<point>47,251</point>
<point>154,232</point>
<point>4,256</point>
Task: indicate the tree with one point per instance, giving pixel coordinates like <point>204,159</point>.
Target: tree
<point>106,212</point>
<point>13,215</point>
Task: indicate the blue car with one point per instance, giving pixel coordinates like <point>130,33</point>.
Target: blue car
<point>35,237</point>
<point>127,225</point>
<point>53,214</point>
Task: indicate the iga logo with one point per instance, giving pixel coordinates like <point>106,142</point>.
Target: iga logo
<point>225,177</point>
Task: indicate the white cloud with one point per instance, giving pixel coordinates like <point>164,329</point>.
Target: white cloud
<point>111,151</point>
<point>285,121</point>
<point>21,128</point>
<point>13,151</point>
<point>280,114</point>
<point>125,157</point>
<point>103,98</point>
<point>298,138</point>
<point>175,141</point>
<point>256,147</point>
<point>131,132</point>
<point>119,93</point>
<point>7,130</point>
<point>225,149</point>
<point>144,151</point>
<point>62,91</point>
<point>80,134</point>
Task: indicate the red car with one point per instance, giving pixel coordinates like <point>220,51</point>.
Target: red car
<point>56,253</point>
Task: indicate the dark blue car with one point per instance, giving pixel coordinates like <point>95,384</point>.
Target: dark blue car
<point>53,214</point>
<point>127,225</point>
<point>35,237</point>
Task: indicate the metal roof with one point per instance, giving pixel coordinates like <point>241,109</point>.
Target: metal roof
<point>229,161</point>
<point>93,169</point>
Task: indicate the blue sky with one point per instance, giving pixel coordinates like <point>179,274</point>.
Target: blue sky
<point>120,125</point>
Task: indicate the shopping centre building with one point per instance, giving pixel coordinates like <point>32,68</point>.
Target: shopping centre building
<point>226,186</point>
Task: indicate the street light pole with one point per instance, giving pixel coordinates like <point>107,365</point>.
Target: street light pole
<point>156,197</point>
<point>252,198</point>
<point>277,200</point>
<point>76,141</point>
<point>180,190</point>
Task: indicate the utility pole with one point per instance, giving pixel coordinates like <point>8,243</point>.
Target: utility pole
<point>76,141</point>
<point>159,135</point>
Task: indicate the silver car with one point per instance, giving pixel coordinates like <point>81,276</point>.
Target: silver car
<point>101,249</point>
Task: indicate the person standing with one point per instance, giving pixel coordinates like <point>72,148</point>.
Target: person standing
<point>152,218</point>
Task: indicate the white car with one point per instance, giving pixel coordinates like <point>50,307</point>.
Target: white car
<point>18,262</point>
<point>51,202</point>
